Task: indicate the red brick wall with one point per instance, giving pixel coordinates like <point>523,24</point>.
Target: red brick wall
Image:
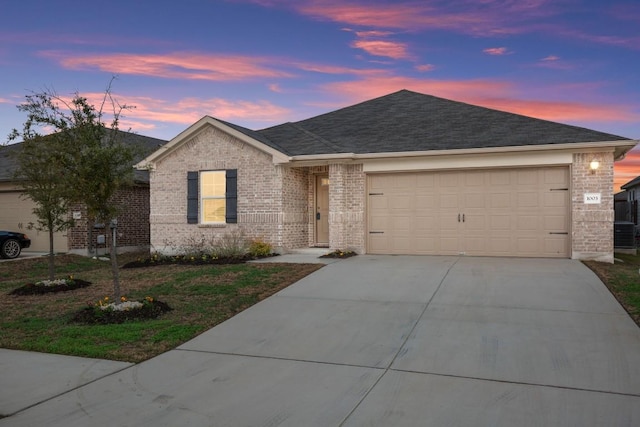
<point>133,223</point>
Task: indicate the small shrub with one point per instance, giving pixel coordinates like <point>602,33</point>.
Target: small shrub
<point>233,244</point>
<point>192,246</point>
<point>339,253</point>
<point>259,248</point>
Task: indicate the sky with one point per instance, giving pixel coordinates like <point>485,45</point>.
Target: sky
<point>259,63</point>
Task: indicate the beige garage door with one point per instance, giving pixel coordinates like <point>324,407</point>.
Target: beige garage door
<point>16,214</point>
<point>502,212</point>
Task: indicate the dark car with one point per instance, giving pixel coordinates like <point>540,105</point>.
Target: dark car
<point>11,244</point>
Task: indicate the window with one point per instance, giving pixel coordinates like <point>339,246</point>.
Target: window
<point>212,197</point>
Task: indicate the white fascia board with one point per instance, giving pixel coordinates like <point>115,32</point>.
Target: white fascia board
<point>150,161</point>
<point>618,147</point>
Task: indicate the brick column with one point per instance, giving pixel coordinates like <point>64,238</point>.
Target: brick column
<point>346,207</point>
<point>592,224</point>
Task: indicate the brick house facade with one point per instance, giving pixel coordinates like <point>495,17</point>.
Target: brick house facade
<point>132,232</point>
<point>277,186</point>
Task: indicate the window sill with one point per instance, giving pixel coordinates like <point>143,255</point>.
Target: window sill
<point>217,225</point>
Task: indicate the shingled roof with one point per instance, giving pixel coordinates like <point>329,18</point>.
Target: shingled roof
<point>147,144</point>
<point>409,121</point>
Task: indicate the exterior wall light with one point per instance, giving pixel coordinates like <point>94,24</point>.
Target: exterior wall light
<point>594,165</point>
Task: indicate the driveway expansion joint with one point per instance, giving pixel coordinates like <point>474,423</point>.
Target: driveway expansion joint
<point>493,380</point>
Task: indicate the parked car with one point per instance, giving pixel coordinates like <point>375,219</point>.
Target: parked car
<point>12,243</point>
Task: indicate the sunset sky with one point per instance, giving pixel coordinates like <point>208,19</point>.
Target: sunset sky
<point>258,63</point>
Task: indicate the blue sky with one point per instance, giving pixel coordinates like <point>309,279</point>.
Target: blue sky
<point>259,63</point>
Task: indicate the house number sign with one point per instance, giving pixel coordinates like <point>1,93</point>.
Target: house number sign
<point>592,198</point>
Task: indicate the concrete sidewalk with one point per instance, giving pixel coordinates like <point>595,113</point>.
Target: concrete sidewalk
<point>390,340</point>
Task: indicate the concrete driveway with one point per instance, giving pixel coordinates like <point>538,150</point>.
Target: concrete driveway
<point>390,341</point>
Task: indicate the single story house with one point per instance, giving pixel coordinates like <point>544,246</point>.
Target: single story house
<point>16,209</point>
<point>405,173</point>
<point>620,206</point>
<point>632,195</point>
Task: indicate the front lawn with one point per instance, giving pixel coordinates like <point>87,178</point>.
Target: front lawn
<point>623,280</point>
<point>200,296</point>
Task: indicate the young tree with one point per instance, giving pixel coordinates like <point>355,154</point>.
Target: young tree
<point>42,180</point>
<point>92,162</point>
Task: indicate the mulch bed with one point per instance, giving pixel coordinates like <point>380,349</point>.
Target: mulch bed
<point>339,254</point>
<point>33,289</point>
<point>97,316</point>
<point>190,260</point>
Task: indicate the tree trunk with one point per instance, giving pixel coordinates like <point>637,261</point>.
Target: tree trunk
<point>114,268</point>
<point>52,273</point>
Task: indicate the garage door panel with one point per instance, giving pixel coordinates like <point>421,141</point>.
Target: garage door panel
<point>424,224</point>
<point>500,200</point>
<point>500,223</point>
<point>557,223</point>
<point>506,212</point>
<point>449,245</point>
<point>16,213</point>
<point>555,245</point>
<point>476,200</point>
<point>555,199</point>
<point>499,178</point>
<point>527,200</point>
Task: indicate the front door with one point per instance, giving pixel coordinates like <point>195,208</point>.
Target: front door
<point>322,210</point>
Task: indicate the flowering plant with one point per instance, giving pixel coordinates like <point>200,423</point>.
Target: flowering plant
<point>105,311</point>
<point>56,282</point>
<point>123,305</point>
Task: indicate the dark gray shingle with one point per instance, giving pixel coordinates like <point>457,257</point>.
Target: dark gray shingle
<point>410,121</point>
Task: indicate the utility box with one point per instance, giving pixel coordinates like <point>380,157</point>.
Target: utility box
<point>101,239</point>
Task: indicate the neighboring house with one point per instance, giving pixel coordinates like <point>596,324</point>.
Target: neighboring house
<point>16,210</point>
<point>405,173</point>
<point>632,192</point>
<point>620,206</point>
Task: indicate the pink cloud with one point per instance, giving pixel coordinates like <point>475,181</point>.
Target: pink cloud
<point>488,17</point>
<point>554,62</point>
<point>497,51</point>
<point>388,49</point>
<point>425,67</point>
<point>631,42</point>
<point>373,33</point>
<point>494,94</point>
<point>485,18</point>
<point>627,169</point>
<point>453,89</point>
<point>193,66</point>
<point>148,111</point>
<point>337,70</point>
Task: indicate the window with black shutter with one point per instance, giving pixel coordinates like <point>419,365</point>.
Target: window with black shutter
<point>212,197</point>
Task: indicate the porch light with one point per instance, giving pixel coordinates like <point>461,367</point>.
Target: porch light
<point>594,165</point>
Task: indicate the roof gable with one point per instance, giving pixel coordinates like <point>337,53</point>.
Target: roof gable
<point>633,183</point>
<point>246,135</point>
<point>407,121</point>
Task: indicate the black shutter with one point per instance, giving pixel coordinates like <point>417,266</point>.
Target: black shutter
<point>231,195</point>
<point>192,197</point>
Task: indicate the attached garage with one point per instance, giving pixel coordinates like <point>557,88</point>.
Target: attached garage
<point>16,213</point>
<point>521,212</point>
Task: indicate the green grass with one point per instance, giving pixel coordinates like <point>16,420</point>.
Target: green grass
<point>623,280</point>
<point>200,296</point>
